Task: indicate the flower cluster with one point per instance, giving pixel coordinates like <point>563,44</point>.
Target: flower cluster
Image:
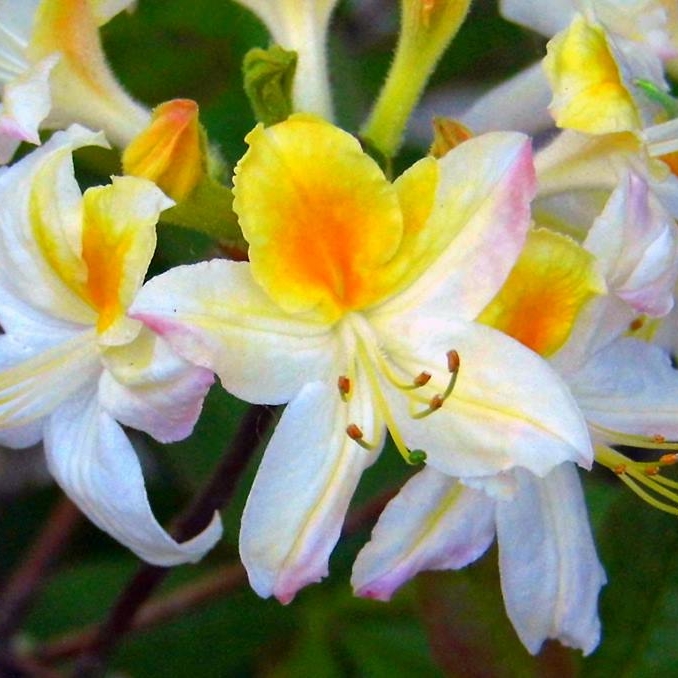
<point>502,311</point>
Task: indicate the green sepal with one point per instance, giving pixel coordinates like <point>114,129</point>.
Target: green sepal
<point>209,210</point>
<point>268,76</point>
<point>658,96</point>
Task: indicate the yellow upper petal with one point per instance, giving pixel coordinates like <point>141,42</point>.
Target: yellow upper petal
<point>118,240</point>
<point>321,219</point>
<point>588,92</point>
<point>550,283</point>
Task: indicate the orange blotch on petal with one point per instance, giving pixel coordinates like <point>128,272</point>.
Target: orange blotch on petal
<point>550,283</point>
<point>321,219</point>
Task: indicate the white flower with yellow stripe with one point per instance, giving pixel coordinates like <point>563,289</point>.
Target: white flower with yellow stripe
<point>358,308</point>
<point>554,303</point>
<point>72,365</point>
<point>53,72</point>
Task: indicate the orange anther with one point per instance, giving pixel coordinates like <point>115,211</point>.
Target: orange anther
<point>636,324</point>
<point>668,459</point>
<point>422,379</point>
<point>344,385</point>
<point>620,469</point>
<point>453,361</point>
<point>658,438</point>
<point>436,402</point>
<point>354,432</point>
<point>652,471</point>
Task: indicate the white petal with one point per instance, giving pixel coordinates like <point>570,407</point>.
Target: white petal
<point>27,270</point>
<point>33,386</point>
<point>300,495</point>
<point>630,386</point>
<point>508,407</point>
<point>93,461</point>
<point>26,103</point>
<point>546,18</point>
<point>550,573</point>
<point>216,316</point>
<point>150,388</point>
<point>520,103</point>
<point>476,229</point>
<point>434,523</point>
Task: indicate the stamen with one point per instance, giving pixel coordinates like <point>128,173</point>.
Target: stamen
<point>453,363</point>
<point>344,386</point>
<point>636,474</point>
<point>355,433</point>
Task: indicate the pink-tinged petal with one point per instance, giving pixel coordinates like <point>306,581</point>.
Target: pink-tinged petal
<point>629,386</point>
<point>150,388</point>
<point>92,460</point>
<point>475,231</point>
<point>636,244</point>
<point>304,484</point>
<point>214,315</point>
<point>434,523</point>
<point>26,103</point>
<point>508,407</point>
<point>550,573</point>
<point>33,384</point>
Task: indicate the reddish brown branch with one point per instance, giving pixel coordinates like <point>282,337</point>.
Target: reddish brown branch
<point>153,613</point>
<point>27,579</point>
<point>214,496</point>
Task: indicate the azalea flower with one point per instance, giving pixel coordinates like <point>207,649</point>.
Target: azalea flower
<point>72,365</point>
<point>357,307</point>
<point>553,302</point>
<point>53,72</point>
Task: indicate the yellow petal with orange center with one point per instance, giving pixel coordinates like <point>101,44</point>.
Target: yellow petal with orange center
<point>538,305</point>
<point>588,92</point>
<point>321,219</point>
<point>170,151</point>
<point>118,240</point>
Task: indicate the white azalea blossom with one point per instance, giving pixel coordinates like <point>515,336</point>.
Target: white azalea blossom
<point>358,309</point>
<point>72,365</point>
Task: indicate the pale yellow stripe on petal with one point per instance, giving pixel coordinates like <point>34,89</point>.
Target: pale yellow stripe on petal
<point>32,389</point>
<point>588,92</point>
<point>550,283</point>
<point>54,226</point>
<point>320,217</point>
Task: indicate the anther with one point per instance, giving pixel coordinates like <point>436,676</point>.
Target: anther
<point>668,459</point>
<point>620,470</point>
<point>355,433</point>
<point>652,471</point>
<point>658,438</point>
<point>344,386</point>
<point>453,361</point>
<point>422,379</point>
<point>636,324</point>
